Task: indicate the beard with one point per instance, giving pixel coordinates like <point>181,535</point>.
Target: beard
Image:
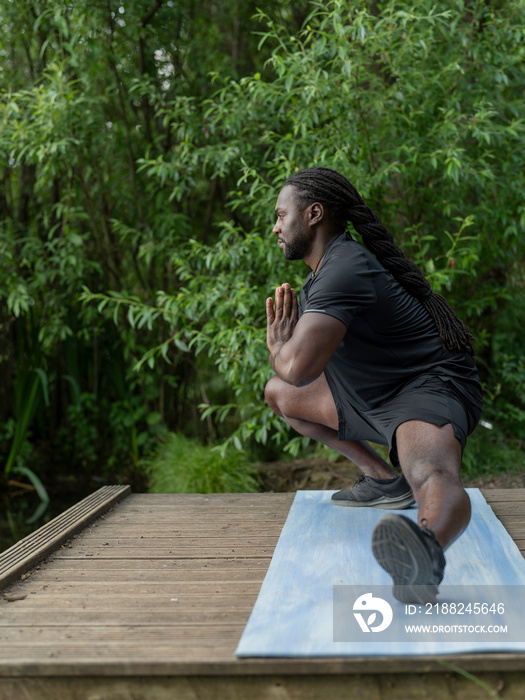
<point>297,248</point>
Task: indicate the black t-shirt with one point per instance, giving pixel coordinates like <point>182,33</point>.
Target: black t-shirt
<point>390,341</point>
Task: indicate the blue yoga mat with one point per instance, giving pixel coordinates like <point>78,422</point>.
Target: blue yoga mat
<point>323,585</point>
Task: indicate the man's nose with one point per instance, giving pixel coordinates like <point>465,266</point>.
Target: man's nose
<point>276,228</point>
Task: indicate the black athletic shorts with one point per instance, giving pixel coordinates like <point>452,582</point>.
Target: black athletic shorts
<point>428,398</point>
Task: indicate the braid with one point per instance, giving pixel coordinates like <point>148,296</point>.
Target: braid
<point>346,204</point>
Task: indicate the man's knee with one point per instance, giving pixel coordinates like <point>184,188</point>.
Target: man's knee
<point>273,394</point>
<point>420,472</point>
<point>424,474</point>
<point>312,403</point>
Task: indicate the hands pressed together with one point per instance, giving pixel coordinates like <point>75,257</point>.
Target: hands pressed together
<point>281,321</point>
<point>299,348</point>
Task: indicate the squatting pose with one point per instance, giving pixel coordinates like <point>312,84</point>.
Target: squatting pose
<point>369,352</point>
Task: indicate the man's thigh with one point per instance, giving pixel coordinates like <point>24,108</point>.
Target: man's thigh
<point>313,402</point>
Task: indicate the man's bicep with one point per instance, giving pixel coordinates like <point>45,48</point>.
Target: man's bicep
<point>315,339</point>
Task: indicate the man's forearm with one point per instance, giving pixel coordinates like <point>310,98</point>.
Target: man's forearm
<point>285,366</point>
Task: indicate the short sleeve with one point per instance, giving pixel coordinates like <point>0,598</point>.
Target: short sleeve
<point>343,287</point>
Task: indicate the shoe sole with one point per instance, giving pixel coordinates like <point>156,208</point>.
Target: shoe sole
<point>399,551</point>
<point>397,503</point>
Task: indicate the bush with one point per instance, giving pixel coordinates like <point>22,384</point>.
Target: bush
<point>490,452</point>
<point>184,466</point>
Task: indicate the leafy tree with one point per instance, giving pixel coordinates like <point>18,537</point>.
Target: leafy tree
<point>86,91</point>
<point>421,108</point>
<point>132,174</point>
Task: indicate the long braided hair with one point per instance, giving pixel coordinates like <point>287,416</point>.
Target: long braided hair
<point>344,204</point>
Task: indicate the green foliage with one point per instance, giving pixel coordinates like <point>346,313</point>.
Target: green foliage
<point>420,107</point>
<point>183,466</point>
<point>86,92</point>
<point>490,452</point>
<point>31,390</point>
<point>138,190</point>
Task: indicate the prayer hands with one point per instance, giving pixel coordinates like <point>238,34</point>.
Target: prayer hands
<point>281,322</point>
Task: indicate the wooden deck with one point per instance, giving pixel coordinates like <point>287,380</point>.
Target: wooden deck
<point>150,600</point>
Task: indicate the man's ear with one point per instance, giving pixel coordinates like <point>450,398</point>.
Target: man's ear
<point>316,213</point>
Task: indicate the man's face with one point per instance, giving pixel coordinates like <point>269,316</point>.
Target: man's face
<point>290,228</point>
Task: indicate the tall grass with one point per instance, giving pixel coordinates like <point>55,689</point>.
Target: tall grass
<point>30,389</point>
<point>184,466</point>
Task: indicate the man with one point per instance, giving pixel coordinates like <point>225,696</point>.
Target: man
<point>370,353</point>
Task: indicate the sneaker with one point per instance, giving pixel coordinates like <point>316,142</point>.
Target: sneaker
<point>394,495</point>
<point>411,555</point>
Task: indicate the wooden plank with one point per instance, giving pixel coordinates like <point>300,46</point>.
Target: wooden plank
<point>152,617</point>
<point>168,576</point>
<point>502,495</point>
<point>72,566</point>
<point>119,607</point>
<point>185,519</point>
<point>149,530</point>
<point>144,542</point>
<point>87,612</point>
<point>186,661</point>
<point>121,587</point>
<point>167,530</point>
<point>223,500</point>
<point>159,553</point>
<point>39,544</point>
<point>337,687</point>
<point>509,510</point>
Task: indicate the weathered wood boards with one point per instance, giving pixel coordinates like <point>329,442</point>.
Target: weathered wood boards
<point>33,548</point>
<point>151,599</point>
<point>159,579</point>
